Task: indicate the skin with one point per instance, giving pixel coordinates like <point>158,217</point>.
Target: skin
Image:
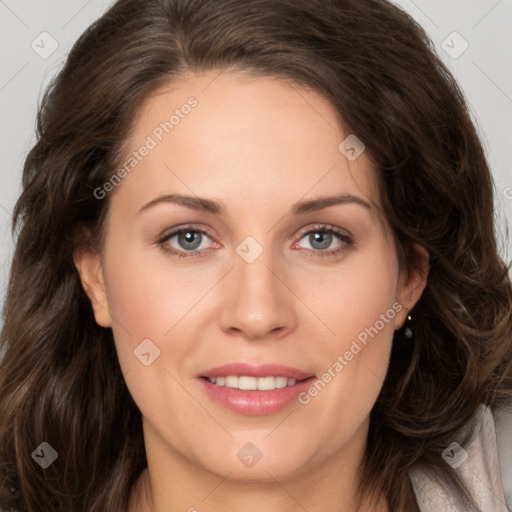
<point>256,145</point>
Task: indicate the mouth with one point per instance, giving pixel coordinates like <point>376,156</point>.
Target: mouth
<point>248,383</point>
<point>255,390</point>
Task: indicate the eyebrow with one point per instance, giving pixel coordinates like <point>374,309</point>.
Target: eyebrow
<point>298,208</point>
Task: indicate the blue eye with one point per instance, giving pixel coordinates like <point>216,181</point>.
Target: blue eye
<point>189,241</point>
<point>321,238</point>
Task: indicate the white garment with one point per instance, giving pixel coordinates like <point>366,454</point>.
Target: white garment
<point>487,470</point>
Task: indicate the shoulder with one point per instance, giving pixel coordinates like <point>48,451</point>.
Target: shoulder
<point>483,461</point>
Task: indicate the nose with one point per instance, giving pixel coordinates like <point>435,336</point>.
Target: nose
<point>259,304</point>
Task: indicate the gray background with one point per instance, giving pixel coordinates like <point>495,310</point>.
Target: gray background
<point>484,71</point>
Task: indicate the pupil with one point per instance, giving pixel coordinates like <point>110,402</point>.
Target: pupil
<point>320,240</point>
<point>189,239</point>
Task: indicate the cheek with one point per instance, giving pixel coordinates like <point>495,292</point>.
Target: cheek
<point>356,297</point>
<point>148,300</point>
<point>153,310</point>
<point>359,308</point>
<point>144,306</point>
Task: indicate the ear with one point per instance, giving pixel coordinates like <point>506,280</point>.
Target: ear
<point>88,264</point>
<point>411,284</point>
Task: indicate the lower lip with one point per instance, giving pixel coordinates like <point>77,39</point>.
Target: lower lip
<point>255,402</point>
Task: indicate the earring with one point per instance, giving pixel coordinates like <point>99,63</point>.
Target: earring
<point>408,330</point>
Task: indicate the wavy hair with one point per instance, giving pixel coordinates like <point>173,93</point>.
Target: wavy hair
<point>60,378</point>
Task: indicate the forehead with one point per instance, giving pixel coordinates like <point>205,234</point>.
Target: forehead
<point>244,138</point>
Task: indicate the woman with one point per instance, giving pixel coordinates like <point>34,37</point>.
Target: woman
<point>255,269</point>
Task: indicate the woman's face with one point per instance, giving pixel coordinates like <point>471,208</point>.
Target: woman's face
<point>283,259</point>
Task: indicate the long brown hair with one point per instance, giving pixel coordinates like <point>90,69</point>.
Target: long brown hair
<point>60,379</point>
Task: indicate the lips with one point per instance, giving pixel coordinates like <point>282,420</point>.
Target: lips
<point>251,401</point>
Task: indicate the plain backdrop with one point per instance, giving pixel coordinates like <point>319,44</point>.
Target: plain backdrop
<point>473,37</point>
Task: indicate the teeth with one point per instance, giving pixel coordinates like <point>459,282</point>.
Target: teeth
<point>231,381</point>
<point>252,383</point>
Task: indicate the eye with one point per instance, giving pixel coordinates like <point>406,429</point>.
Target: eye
<point>326,240</point>
<point>185,241</point>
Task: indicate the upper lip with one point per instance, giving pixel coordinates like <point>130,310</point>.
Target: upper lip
<point>264,370</point>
